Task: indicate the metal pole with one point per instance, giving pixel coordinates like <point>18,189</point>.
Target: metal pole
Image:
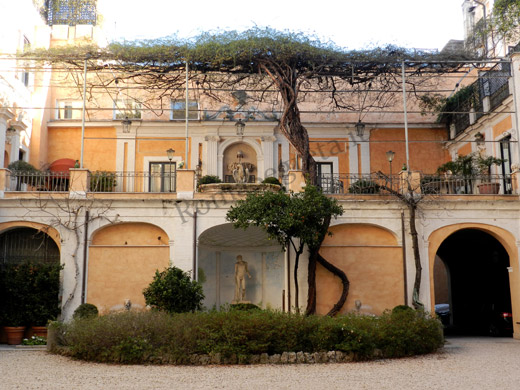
<point>186,116</point>
<point>83,112</point>
<point>170,176</point>
<point>403,76</point>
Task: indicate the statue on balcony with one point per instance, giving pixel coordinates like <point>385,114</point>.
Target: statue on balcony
<point>241,170</point>
<point>240,281</point>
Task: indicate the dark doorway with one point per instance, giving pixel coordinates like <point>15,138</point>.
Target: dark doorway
<point>478,284</point>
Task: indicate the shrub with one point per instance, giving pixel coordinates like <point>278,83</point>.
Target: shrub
<point>173,291</point>
<point>102,181</point>
<point>85,310</point>
<point>364,187</point>
<point>208,179</point>
<point>158,337</point>
<point>271,180</point>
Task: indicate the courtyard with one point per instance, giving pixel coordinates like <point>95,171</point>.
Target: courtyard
<point>464,363</point>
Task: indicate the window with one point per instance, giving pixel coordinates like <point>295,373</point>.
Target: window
<point>69,109</point>
<point>179,110</point>
<point>505,154</point>
<point>325,177</point>
<point>162,176</point>
<point>127,108</point>
<point>24,77</point>
<point>71,12</point>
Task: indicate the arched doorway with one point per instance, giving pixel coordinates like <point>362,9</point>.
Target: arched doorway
<point>471,284</point>
<point>219,247</point>
<point>26,244</point>
<point>122,261</point>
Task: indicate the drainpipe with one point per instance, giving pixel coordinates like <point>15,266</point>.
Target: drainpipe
<point>195,271</point>
<point>84,277</point>
<point>404,259</point>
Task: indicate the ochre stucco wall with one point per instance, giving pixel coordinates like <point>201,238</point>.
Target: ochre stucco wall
<point>122,262</point>
<point>508,242</point>
<point>373,262</point>
<point>157,148</point>
<point>502,126</point>
<point>424,156</point>
<point>99,146</point>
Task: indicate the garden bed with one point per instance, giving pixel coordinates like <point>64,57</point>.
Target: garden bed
<point>244,337</point>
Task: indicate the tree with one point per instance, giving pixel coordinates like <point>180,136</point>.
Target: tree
<point>173,291</point>
<point>506,19</point>
<point>299,219</point>
<point>284,66</point>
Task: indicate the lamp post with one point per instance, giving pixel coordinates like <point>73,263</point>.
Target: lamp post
<point>240,127</point>
<point>390,157</point>
<point>170,153</point>
<point>360,128</point>
<point>127,124</point>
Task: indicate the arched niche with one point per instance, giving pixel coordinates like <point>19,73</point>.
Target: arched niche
<point>372,259</point>
<point>122,261</point>
<point>249,157</point>
<point>225,145</point>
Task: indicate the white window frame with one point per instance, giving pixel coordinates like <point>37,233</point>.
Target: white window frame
<point>64,105</point>
<point>179,106</point>
<point>127,108</point>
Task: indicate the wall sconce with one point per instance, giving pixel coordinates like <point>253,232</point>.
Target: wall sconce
<point>240,125</point>
<point>127,124</point>
<point>479,138</point>
<point>360,128</point>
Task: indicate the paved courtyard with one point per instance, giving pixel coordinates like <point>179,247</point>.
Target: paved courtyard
<point>465,363</point>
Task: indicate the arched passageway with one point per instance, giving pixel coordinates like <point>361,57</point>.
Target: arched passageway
<point>472,288</point>
<point>26,244</point>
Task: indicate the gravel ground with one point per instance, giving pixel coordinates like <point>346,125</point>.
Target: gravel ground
<point>465,363</point>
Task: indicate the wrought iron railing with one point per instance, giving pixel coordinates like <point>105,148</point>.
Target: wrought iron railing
<point>372,183</point>
<point>132,182</point>
<point>381,184</point>
<point>38,181</point>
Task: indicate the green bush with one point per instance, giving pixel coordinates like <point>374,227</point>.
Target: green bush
<point>158,337</point>
<point>30,293</point>
<point>102,181</point>
<point>209,179</point>
<point>85,310</point>
<point>271,180</point>
<point>173,291</point>
<point>364,187</point>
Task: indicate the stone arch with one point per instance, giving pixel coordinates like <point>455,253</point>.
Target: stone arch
<point>28,241</point>
<point>505,238</point>
<point>372,258</point>
<point>122,261</point>
<point>236,140</point>
<point>49,230</point>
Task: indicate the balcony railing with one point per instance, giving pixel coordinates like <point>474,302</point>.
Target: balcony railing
<point>132,182</point>
<point>38,181</point>
<point>381,184</point>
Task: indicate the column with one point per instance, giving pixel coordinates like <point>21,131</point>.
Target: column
<point>267,150</point>
<point>212,158</point>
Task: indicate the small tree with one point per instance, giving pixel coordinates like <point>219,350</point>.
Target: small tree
<point>299,220</point>
<point>173,291</point>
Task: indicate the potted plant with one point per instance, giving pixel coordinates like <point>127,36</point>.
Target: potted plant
<point>25,173</point>
<point>483,165</point>
<point>14,288</point>
<point>102,181</point>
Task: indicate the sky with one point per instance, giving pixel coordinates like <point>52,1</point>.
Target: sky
<point>352,24</point>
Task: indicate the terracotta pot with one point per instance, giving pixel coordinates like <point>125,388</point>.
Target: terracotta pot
<point>489,188</point>
<point>14,334</point>
<point>40,331</point>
